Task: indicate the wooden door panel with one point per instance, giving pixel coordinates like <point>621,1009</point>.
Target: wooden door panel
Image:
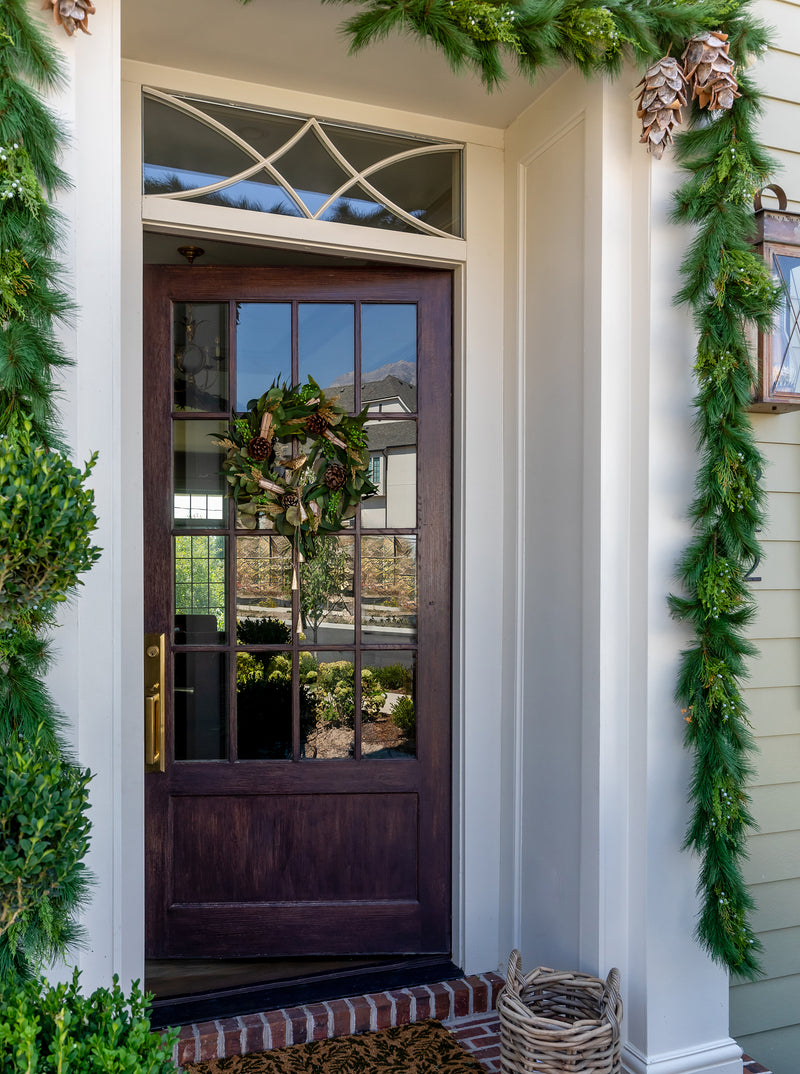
<point>299,855</point>
<point>294,847</point>
<point>307,928</point>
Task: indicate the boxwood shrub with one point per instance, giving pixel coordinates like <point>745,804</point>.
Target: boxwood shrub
<point>56,1029</point>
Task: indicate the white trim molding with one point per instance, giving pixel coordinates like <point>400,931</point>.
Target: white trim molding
<point>290,232</point>
<point>477,333</point>
<point>266,162</point>
<point>717,1057</point>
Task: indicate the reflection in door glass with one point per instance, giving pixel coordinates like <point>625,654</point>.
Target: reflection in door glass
<point>389,589</point>
<point>200,356</point>
<point>389,357</point>
<point>326,593</point>
<point>200,590</point>
<point>201,707</point>
<point>263,590</point>
<point>200,492</point>
<point>327,715</point>
<point>393,469</point>
<point>264,705</point>
<point>263,348</point>
<point>393,731</point>
<point>326,340</point>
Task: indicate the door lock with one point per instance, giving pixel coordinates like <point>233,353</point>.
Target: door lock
<point>154,702</point>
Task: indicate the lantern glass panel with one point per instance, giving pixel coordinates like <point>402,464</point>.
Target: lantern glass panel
<point>785,350</point>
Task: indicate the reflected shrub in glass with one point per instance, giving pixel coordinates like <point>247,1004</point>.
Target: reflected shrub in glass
<point>334,695</point>
<point>397,677</point>
<point>404,716</point>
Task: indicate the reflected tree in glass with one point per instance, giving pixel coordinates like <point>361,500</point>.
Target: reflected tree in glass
<point>323,583</point>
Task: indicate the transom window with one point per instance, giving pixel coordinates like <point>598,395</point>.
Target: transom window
<point>230,155</point>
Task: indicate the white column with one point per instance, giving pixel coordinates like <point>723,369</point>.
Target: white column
<point>477,568</point>
<point>677,999</point>
<point>603,366</point>
<point>93,662</point>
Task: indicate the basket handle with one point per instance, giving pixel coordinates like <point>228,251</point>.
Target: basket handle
<point>611,1001</point>
<point>514,975</point>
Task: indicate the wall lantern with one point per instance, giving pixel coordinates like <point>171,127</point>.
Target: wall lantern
<point>777,239</point>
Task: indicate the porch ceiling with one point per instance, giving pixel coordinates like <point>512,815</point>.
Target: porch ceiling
<point>296,44</point>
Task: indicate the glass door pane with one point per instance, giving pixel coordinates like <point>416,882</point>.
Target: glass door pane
<point>264,705</point>
<point>200,356</point>
<point>263,348</point>
<point>326,343</point>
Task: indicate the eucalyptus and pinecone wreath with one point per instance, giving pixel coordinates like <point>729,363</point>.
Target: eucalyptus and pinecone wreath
<point>299,459</point>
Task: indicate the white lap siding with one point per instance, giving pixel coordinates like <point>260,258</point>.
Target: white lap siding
<point>765,1015</point>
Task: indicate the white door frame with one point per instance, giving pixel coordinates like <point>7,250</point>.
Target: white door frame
<point>477,577</point>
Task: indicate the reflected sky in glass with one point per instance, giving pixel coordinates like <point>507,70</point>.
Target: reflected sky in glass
<point>389,341</point>
<point>263,348</point>
<point>326,340</point>
<point>258,193</point>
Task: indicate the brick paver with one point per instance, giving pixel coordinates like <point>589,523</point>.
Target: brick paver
<point>466,1006</point>
<point>479,1034</point>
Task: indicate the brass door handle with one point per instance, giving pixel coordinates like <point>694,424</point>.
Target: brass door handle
<point>153,702</point>
<point>152,754</point>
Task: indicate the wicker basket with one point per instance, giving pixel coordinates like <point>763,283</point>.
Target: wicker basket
<point>559,1023</point>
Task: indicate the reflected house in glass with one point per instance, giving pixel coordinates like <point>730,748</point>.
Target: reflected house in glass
<point>355,213</point>
<point>393,452</point>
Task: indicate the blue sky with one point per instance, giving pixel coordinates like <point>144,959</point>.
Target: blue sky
<point>326,342</point>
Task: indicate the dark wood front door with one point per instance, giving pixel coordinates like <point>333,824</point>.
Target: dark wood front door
<point>304,805</point>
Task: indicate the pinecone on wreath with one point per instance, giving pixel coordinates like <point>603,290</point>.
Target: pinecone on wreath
<point>709,71</point>
<point>659,105</point>
<point>71,14</point>
<point>289,499</point>
<point>316,424</point>
<point>335,476</point>
<point>259,449</point>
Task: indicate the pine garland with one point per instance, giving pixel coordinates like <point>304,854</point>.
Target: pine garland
<point>728,288</point>
<point>29,174</point>
<point>46,518</point>
<point>534,34</point>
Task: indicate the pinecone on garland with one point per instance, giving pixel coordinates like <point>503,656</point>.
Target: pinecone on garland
<point>71,14</point>
<point>709,71</point>
<point>316,424</point>
<point>335,476</point>
<point>259,449</point>
<point>660,102</point>
<point>289,499</point>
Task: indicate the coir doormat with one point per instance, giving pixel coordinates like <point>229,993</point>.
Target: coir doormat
<point>419,1048</point>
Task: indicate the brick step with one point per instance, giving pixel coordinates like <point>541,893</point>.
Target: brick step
<point>447,1001</point>
<point>466,1005</point>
